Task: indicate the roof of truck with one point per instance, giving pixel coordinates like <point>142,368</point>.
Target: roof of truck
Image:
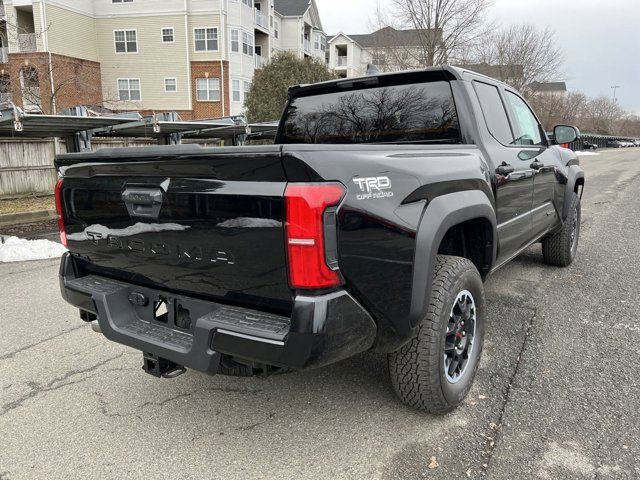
<point>445,72</point>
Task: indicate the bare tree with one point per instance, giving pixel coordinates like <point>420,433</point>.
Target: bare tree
<point>443,29</point>
<point>535,50</point>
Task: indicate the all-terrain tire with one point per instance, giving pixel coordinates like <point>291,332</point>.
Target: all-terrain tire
<point>560,249</point>
<point>417,369</point>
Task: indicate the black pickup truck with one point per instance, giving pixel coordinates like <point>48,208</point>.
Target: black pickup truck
<point>372,223</point>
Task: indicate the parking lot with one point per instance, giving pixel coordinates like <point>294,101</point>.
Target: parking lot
<point>556,395</point>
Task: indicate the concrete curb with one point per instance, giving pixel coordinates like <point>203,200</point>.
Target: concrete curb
<point>26,217</point>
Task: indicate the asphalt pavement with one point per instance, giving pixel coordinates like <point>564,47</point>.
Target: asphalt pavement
<point>557,394</point>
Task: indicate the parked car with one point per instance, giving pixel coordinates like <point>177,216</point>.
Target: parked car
<point>589,146</point>
<point>636,143</point>
<point>615,144</point>
<point>353,232</point>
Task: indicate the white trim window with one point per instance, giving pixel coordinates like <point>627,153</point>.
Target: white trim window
<point>247,44</point>
<point>247,87</point>
<point>126,41</point>
<point>248,3</point>
<point>235,40</point>
<point>208,89</point>
<point>205,39</point>
<point>236,92</point>
<point>168,35</point>
<point>170,84</point>
<point>129,89</point>
<point>276,28</point>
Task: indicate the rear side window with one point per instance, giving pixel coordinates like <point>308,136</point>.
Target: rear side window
<point>494,112</point>
<point>417,112</point>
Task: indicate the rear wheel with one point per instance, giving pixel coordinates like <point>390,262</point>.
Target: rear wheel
<point>435,370</point>
<point>560,249</point>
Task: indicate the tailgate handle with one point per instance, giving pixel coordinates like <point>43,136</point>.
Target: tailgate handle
<point>143,202</point>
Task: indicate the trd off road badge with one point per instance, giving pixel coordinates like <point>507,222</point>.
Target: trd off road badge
<point>373,187</point>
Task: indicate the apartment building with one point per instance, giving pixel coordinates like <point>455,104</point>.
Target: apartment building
<point>387,48</point>
<point>196,57</point>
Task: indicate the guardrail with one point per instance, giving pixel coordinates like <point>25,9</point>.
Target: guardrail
<point>342,61</point>
<point>261,19</point>
<point>27,42</point>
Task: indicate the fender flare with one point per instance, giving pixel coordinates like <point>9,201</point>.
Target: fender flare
<point>573,175</point>
<point>439,216</point>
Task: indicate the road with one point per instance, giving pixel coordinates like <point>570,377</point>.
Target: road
<point>557,394</point>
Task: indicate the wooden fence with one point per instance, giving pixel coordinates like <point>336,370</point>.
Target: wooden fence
<point>26,166</point>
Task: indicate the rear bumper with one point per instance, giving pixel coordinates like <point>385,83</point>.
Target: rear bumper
<point>321,330</point>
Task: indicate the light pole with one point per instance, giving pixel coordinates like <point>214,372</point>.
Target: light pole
<point>615,89</point>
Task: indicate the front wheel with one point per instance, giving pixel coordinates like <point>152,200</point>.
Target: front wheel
<point>435,370</point>
<point>561,249</point>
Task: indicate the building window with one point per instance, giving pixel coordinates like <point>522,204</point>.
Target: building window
<point>323,43</point>
<point>126,41</point>
<point>206,39</point>
<point>316,42</point>
<point>247,87</point>
<point>208,89</point>
<point>167,35</point>
<point>129,89</point>
<point>276,28</point>
<point>235,41</point>
<point>170,84</point>
<point>121,1</point>
<point>248,3</point>
<point>379,59</point>
<point>236,94</point>
<point>247,44</point>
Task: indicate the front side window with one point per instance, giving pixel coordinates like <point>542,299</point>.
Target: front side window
<point>208,89</point>
<point>529,131</point>
<point>167,35</point>
<point>409,113</point>
<point>126,41</point>
<point>206,39</point>
<point>495,115</point>
<point>276,27</point>
<point>129,89</point>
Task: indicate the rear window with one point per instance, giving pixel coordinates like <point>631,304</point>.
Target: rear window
<point>418,112</point>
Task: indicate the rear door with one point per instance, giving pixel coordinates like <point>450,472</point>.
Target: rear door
<point>207,222</point>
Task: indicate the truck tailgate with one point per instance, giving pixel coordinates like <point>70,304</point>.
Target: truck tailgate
<point>207,223</point>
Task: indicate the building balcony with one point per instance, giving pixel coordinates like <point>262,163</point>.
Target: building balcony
<point>261,61</point>
<point>27,42</point>
<point>342,61</point>
<point>4,54</point>
<point>306,44</point>
<point>262,20</point>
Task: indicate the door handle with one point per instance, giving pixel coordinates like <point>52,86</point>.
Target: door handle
<point>505,169</point>
<point>537,165</point>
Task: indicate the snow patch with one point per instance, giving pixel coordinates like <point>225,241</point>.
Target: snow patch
<point>16,249</point>
<point>136,229</point>
<point>248,222</point>
<point>585,154</point>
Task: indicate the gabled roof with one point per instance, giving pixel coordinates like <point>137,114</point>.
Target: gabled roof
<point>390,37</point>
<point>292,8</point>
<point>548,86</point>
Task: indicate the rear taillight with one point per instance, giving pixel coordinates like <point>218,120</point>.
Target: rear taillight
<point>60,210</point>
<point>305,206</point>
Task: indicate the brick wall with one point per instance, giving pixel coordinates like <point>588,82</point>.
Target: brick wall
<point>207,70</point>
<point>75,81</point>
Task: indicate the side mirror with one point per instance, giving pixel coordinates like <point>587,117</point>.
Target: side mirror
<point>565,134</point>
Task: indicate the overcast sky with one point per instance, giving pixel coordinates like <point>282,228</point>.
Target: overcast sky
<point>600,38</point>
